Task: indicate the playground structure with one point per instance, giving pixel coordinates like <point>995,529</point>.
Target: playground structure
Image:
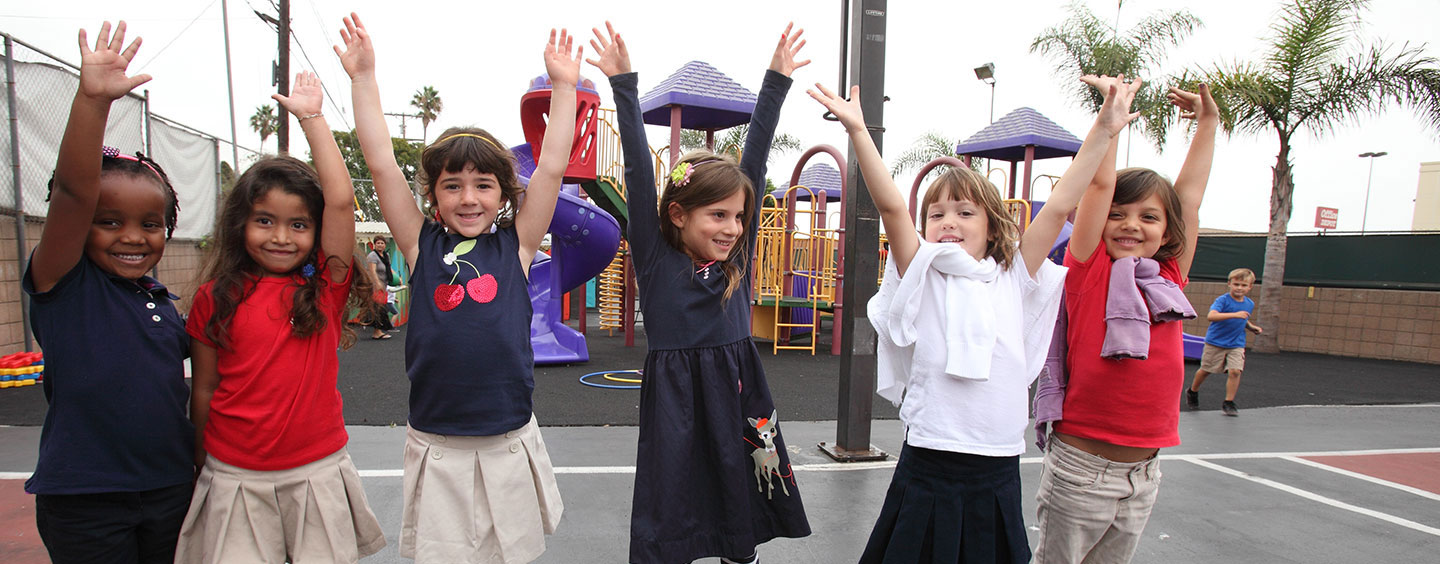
<point>799,258</point>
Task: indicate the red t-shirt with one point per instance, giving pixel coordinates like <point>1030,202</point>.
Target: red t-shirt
<point>1128,402</point>
<point>277,405</point>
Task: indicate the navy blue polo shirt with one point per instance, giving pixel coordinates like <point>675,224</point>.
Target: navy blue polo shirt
<point>118,417</point>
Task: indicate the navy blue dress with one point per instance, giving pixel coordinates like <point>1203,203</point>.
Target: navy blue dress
<point>700,489</point>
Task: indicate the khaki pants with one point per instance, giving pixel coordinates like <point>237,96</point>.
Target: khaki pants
<point>1092,510</point>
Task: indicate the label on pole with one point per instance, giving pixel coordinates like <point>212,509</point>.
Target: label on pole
<point>1326,218</point>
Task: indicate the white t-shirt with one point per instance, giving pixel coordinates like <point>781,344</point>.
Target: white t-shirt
<point>986,417</point>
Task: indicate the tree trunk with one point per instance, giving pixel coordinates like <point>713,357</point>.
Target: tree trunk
<point>1273,277</point>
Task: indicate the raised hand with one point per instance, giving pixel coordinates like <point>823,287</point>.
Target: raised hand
<point>610,47</point>
<point>358,57</point>
<point>1194,106</point>
<point>563,69</point>
<point>848,112</point>
<point>1115,112</point>
<point>306,97</point>
<point>102,70</point>
<point>783,61</point>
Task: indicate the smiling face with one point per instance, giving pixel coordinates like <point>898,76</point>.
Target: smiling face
<point>1136,229</point>
<point>279,233</point>
<point>468,201</point>
<point>709,232</point>
<point>127,235</point>
<point>963,222</point>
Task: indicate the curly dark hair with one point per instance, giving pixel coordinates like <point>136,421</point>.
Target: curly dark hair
<point>139,166</point>
<point>234,271</point>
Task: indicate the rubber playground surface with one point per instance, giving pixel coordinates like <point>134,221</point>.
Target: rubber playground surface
<point>1330,460</point>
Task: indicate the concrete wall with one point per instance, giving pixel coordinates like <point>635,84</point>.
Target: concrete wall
<point>1427,198</point>
<point>1384,324</point>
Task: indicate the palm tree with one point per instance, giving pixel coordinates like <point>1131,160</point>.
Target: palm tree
<point>928,147</point>
<point>1315,76</point>
<point>427,101</point>
<point>264,122</point>
<point>1082,44</point>
<point>731,141</point>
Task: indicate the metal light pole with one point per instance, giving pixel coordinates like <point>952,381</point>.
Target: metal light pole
<point>1366,214</point>
<point>986,74</point>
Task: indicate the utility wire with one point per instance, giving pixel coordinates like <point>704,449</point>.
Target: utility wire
<point>323,87</point>
<point>177,37</point>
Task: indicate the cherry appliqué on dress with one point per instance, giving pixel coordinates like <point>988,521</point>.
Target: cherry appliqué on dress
<point>482,288</point>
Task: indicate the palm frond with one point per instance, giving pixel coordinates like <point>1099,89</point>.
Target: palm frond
<point>928,147</point>
<point>1365,84</point>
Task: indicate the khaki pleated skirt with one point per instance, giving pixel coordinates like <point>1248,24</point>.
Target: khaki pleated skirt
<point>488,499</point>
<point>308,514</point>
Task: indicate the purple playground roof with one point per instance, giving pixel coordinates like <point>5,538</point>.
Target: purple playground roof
<point>1007,138</point>
<point>816,177</point>
<point>709,99</point>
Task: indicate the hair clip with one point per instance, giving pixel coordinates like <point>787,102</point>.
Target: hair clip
<point>113,153</point>
<point>308,270</point>
<point>681,175</point>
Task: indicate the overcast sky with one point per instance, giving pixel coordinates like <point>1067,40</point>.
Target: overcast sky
<point>481,56</point>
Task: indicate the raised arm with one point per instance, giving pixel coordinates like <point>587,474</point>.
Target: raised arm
<point>755,157</point>
<point>1094,207</point>
<point>899,228</point>
<point>397,202</point>
<point>1093,156</point>
<point>1195,173</point>
<point>76,191</point>
<point>306,100</point>
<point>533,218</point>
<point>613,59</point>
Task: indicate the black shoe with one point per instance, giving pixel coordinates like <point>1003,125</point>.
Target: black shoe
<point>1228,408</point>
<point>1192,399</point>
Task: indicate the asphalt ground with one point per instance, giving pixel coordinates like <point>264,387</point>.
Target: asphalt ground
<point>805,387</point>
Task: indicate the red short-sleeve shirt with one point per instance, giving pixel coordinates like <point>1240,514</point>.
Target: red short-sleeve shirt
<point>1128,402</point>
<point>277,405</point>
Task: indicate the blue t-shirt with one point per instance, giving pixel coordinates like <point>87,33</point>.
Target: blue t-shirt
<point>467,349</point>
<point>1230,333</point>
<point>118,419</point>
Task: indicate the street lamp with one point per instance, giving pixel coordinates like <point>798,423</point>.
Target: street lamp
<point>1366,214</point>
<point>986,74</point>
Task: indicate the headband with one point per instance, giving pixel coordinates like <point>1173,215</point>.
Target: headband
<point>480,137</point>
<point>111,152</point>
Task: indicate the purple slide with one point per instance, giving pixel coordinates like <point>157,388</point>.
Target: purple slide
<point>583,240</point>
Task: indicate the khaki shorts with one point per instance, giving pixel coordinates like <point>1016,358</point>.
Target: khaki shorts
<point>478,499</point>
<point>1218,360</point>
<point>308,514</point>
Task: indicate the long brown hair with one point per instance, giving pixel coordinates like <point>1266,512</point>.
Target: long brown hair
<point>712,178</point>
<point>460,146</point>
<point>233,270</point>
<point>1135,184</point>
<point>965,184</point>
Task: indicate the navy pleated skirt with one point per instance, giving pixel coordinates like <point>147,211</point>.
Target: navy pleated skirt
<point>948,507</point>
<point>712,477</point>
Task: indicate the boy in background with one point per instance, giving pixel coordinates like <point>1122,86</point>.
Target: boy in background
<point>1225,340</point>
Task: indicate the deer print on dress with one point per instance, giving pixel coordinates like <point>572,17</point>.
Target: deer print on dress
<point>482,288</point>
<point>767,459</point>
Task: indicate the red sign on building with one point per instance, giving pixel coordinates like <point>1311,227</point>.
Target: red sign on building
<point>1326,218</point>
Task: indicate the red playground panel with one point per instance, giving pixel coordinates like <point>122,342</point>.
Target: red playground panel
<point>1416,470</point>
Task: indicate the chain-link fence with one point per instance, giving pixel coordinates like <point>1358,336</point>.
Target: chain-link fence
<point>39,90</point>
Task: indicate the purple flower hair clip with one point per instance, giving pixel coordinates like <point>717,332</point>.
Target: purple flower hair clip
<point>308,270</point>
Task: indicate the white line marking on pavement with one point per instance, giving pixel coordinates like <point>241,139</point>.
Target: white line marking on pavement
<point>1358,476</point>
<point>888,464</point>
<point>1313,496</point>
